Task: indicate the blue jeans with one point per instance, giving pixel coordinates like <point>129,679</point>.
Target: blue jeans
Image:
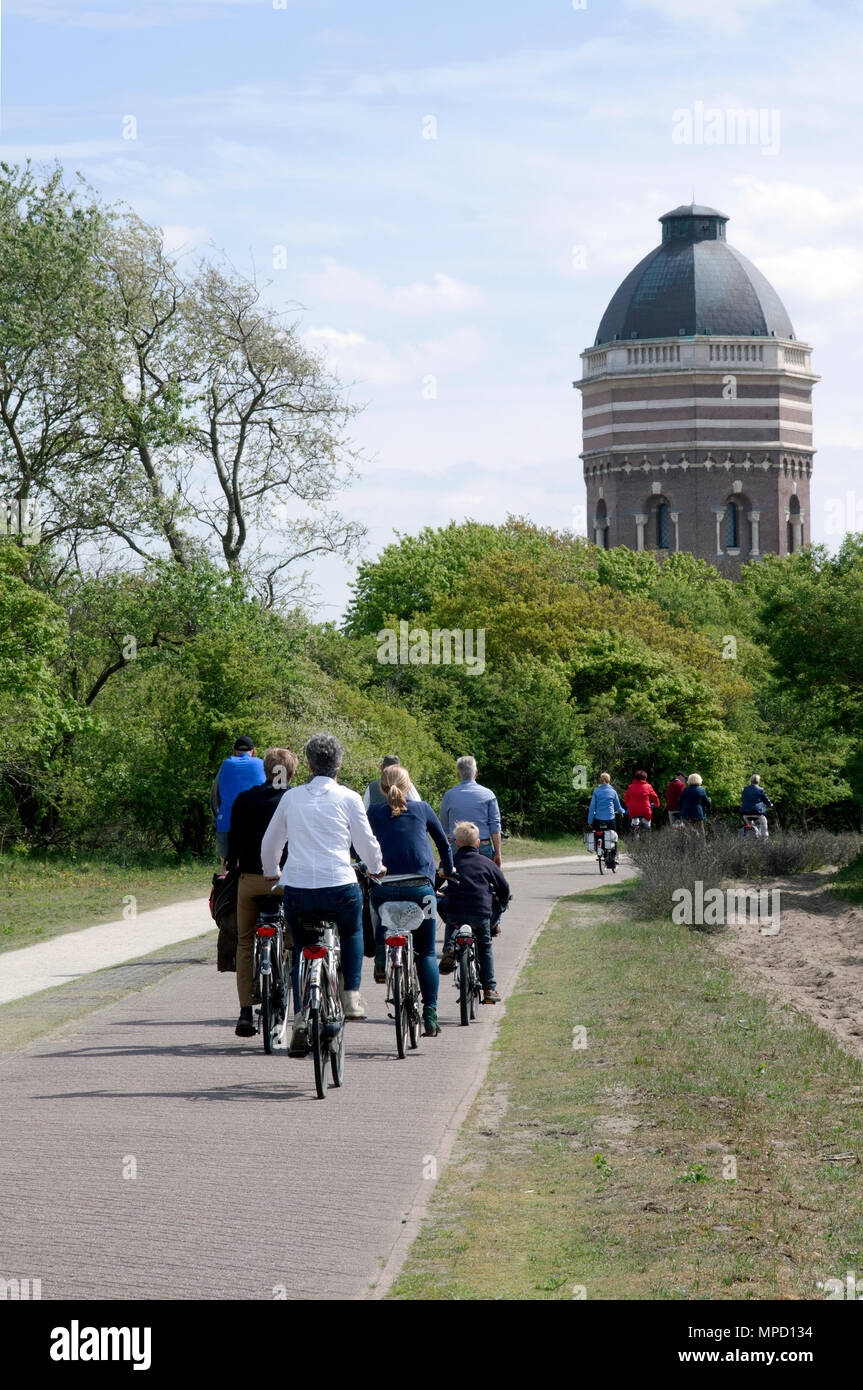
<point>343,904</point>
<point>424,947</point>
<point>485,956</point>
<point>485,847</point>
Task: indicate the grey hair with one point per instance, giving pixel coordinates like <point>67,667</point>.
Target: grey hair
<point>324,755</point>
<point>391,760</point>
<point>466,767</point>
<point>754,779</point>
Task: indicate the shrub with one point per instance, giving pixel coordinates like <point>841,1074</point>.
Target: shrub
<point>670,859</point>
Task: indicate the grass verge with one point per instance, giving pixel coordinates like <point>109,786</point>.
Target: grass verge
<point>522,847</point>
<point>44,895</point>
<point>609,1167</point>
<point>848,883</point>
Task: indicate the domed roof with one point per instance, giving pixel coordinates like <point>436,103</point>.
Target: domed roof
<point>694,283</point>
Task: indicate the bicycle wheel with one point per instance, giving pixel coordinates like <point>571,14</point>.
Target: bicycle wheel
<point>475,989</point>
<point>400,1008</point>
<point>465,992</point>
<point>601,863</point>
<point>267,1012</point>
<point>320,1048</point>
<point>414,1010</point>
<point>337,1057</point>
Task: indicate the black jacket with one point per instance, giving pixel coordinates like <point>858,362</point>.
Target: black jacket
<point>480,882</point>
<point>251,813</point>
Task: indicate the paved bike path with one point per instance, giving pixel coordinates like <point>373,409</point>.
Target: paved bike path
<point>246,1186</point>
<point>29,969</point>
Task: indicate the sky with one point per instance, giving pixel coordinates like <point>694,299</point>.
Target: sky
<point>451,193</point>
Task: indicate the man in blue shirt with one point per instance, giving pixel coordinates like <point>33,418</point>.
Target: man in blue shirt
<point>755,803</point>
<point>237,773</point>
<point>471,802</point>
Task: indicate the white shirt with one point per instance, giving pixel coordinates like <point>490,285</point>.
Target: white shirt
<point>319,821</point>
<point>412,794</point>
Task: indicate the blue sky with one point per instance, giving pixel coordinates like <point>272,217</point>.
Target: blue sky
<point>454,280</point>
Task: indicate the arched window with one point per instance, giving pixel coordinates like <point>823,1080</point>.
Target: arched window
<point>732,526</point>
<point>602,526</point>
<point>663,527</point>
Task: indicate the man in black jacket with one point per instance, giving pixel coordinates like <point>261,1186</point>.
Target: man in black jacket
<point>475,897</point>
<point>251,813</point>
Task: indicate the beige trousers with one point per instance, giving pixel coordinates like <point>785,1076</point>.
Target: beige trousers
<point>249,887</point>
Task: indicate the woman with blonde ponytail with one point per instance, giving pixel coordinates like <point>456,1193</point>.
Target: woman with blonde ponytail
<point>402,828</point>
<point>395,785</point>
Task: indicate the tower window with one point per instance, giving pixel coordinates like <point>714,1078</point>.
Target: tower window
<point>732,527</point>
<point>663,527</point>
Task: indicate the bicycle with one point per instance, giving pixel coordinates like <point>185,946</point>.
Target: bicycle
<point>271,971</point>
<point>639,826</point>
<point>466,974</point>
<point>602,840</point>
<point>400,920</point>
<point>320,1000</point>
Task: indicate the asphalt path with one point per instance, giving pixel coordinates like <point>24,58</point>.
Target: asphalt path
<point>149,1153</point>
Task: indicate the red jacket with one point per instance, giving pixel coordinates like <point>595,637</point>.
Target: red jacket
<point>640,799</point>
<point>673,793</point>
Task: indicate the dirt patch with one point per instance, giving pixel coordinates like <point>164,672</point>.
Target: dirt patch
<point>814,962</point>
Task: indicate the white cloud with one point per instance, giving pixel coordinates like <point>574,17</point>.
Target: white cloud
<point>818,273</point>
<point>727,18</point>
<point>341,285</point>
<point>179,238</point>
<point>357,358</point>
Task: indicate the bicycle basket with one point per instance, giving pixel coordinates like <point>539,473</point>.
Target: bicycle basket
<point>399,918</point>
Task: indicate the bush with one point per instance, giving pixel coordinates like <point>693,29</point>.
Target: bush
<point>671,859</point>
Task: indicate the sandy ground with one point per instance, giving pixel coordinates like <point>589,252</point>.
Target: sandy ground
<point>814,962</point>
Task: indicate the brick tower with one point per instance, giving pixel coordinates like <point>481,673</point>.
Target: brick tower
<point>697,405</point>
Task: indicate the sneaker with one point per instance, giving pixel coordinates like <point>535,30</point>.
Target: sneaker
<point>446,964</point>
<point>490,996</point>
<point>431,1027</point>
<point>245,1027</point>
<point>299,1038</point>
<point>380,965</point>
<point>354,1004</point>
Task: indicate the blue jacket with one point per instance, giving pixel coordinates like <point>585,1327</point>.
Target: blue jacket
<point>604,804</point>
<point>694,804</point>
<point>237,774</point>
<point>404,839</point>
<point>754,801</point>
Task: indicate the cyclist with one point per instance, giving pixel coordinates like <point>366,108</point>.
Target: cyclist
<point>319,821</point>
<point>402,828</point>
<point>755,803</point>
<point>604,807</point>
<point>640,798</point>
<point>476,891</point>
<point>673,793</point>
<point>471,802</point>
<point>242,770</point>
<point>374,795</point>
<point>694,803</point>
<point>251,813</point>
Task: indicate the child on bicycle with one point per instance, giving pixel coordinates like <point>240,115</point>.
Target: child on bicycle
<point>475,897</point>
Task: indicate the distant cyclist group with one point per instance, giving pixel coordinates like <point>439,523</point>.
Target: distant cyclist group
<point>686,803</point>
<point>319,841</point>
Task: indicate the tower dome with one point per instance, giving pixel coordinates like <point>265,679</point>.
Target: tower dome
<point>694,284</point>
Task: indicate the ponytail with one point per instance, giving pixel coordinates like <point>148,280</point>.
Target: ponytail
<point>396,800</point>
<point>394,785</point>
